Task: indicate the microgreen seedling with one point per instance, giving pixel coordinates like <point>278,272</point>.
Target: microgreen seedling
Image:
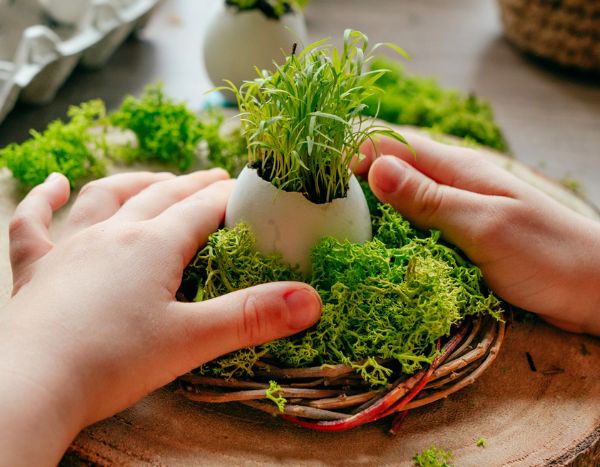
<point>304,122</point>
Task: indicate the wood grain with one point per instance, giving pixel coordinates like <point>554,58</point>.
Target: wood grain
<point>547,417</point>
<point>551,120</point>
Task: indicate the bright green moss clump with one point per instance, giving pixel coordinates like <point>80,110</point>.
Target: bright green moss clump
<point>167,131</point>
<point>414,100</point>
<point>433,457</point>
<point>66,147</point>
<point>386,302</point>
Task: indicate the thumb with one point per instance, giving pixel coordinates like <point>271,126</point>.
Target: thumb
<point>424,202</point>
<point>245,318</point>
<point>28,228</point>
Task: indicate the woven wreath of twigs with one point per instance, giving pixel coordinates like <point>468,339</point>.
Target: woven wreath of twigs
<point>336,398</point>
<point>564,31</point>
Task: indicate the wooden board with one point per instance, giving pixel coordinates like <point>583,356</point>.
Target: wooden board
<point>547,417</point>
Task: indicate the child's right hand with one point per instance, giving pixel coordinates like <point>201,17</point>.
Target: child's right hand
<point>534,252</point>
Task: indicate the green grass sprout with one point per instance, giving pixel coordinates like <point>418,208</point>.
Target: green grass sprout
<point>305,120</point>
<point>481,442</point>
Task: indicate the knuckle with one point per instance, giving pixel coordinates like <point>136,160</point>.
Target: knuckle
<point>18,224</point>
<point>429,200</point>
<point>91,187</point>
<point>131,234</point>
<point>207,206</point>
<point>20,253</point>
<point>492,226</point>
<point>253,323</point>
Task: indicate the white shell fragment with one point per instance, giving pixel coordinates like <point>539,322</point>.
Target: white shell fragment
<point>290,224</point>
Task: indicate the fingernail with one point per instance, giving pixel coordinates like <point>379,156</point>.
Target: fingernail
<point>52,177</point>
<point>388,174</point>
<point>304,308</point>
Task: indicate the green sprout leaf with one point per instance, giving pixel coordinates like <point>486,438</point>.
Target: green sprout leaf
<point>305,121</point>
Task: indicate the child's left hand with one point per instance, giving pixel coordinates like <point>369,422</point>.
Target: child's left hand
<point>93,325</point>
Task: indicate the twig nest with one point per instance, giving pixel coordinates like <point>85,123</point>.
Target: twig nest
<point>290,224</point>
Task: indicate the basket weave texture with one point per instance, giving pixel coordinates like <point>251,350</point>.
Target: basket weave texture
<point>335,398</point>
<point>566,32</point>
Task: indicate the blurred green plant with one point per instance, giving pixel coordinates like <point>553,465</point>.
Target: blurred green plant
<point>73,148</point>
<point>433,457</point>
<point>419,101</point>
<point>273,9</point>
<point>166,131</point>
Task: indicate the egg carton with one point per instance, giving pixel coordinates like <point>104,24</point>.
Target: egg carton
<point>42,41</point>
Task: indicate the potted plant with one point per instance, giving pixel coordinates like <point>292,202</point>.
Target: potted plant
<point>304,126</point>
<point>245,34</point>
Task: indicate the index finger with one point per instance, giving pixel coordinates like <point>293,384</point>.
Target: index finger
<point>190,221</point>
<point>456,166</point>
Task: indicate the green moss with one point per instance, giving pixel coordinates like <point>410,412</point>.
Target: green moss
<point>273,393</point>
<point>433,457</point>
<point>69,148</point>
<point>413,100</point>
<point>386,302</point>
<point>228,151</point>
<point>166,131</point>
<point>572,184</point>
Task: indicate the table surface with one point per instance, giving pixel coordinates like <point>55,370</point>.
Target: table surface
<point>551,118</point>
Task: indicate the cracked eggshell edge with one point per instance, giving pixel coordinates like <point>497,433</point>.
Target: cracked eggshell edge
<point>288,223</point>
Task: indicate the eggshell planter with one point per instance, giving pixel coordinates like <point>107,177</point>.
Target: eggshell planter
<point>288,223</point>
<point>236,42</point>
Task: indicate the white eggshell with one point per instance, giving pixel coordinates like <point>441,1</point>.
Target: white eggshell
<point>236,42</point>
<point>288,223</point>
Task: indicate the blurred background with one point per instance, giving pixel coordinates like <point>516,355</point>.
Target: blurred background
<point>549,114</point>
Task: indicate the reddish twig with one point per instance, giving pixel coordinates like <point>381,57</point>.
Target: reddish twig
<point>392,402</point>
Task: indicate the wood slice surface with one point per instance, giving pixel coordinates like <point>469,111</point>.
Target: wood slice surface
<point>550,416</point>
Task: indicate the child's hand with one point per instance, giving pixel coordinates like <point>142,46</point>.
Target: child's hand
<point>93,325</point>
<point>533,252</point>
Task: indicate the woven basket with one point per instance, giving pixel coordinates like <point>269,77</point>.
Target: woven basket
<point>335,398</point>
<point>566,32</point>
